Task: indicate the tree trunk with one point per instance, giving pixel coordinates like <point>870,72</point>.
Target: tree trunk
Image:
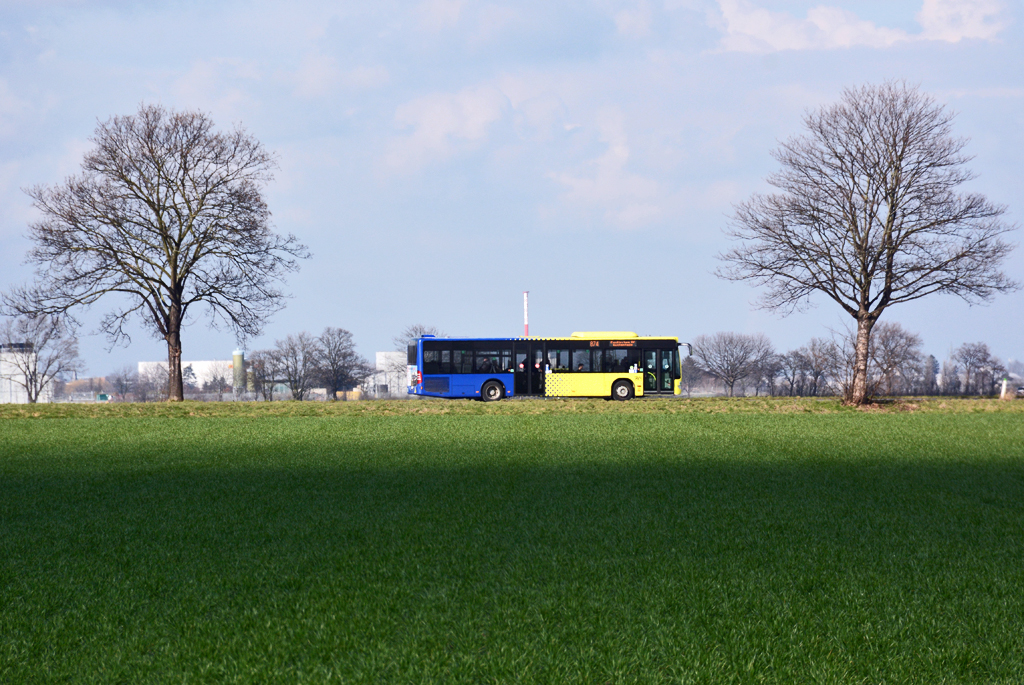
<point>859,387</point>
<point>175,386</point>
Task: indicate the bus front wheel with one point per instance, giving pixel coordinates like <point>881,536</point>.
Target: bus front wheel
<point>492,391</point>
<point>622,390</point>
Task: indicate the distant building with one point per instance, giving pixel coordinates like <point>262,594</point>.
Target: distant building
<point>12,378</point>
<point>390,377</point>
<point>202,371</point>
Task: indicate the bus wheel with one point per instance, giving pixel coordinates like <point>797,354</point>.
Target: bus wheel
<point>492,391</point>
<point>622,390</point>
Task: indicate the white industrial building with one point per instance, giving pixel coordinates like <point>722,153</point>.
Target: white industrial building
<point>390,377</point>
<point>12,378</point>
<point>203,371</point>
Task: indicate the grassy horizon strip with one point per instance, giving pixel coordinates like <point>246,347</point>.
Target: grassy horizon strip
<point>608,546</point>
<point>515,407</point>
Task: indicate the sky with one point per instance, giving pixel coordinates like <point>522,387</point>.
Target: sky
<point>441,157</point>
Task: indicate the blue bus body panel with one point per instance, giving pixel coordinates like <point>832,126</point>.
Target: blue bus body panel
<point>462,384</point>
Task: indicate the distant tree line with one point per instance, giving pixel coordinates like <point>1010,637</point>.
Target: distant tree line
<point>42,356</point>
<point>291,369</point>
<point>303,361</point>
<point>738,363</point>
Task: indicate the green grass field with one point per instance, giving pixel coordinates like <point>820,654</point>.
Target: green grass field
<point>520,542</point>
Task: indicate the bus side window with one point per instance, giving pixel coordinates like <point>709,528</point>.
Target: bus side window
<point>487,361</point>
<point>431,361</point>
<point>462,361</point>
<point>598,364</point>
<point>581,360</point>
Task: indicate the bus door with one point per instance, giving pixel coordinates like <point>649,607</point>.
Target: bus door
<point>650,371</point>
<point>529,368</point>
<point>537,368</point>
<point>658,370</point>
<point>522,369</point>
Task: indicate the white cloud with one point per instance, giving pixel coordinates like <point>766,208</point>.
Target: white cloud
<point>626,199</point>
<point>436,15</point>
<point>318,75</point>
<point>634,22</point>
<point>216,86</point>
<point>492,21</point>
<point>956,20</point>
<point>1000,92</point>
<point>12,108</point>
<point>751,28</point>
<point>366,77</point>
<point>443,123</point>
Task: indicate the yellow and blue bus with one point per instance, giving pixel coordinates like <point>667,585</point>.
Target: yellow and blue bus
<point>616,364</point>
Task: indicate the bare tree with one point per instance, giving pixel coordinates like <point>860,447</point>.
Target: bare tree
<point>340,366</point>
<point>868,213</point>
<point>765,373</point>
<point>792,370</point>
<point>152,385</point>
<point>839,362</point>
<point>950,378</point>
<point>731,357</point>
<point>265,367</point>
<point>817,355</point>
<point>299,358</point>
<point>974,358</point>
<point>39,350</point>
<point>411,333</point>
<point>124,382</point>
<point>990,375</point>
<point>167,214</point>
<point>218,383</point>
<point>691,375</point>
<point>971,357</point>
<point>896,357</point>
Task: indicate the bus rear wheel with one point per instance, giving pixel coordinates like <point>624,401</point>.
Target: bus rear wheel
<point>492,391</point>
<point>622,390</point>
